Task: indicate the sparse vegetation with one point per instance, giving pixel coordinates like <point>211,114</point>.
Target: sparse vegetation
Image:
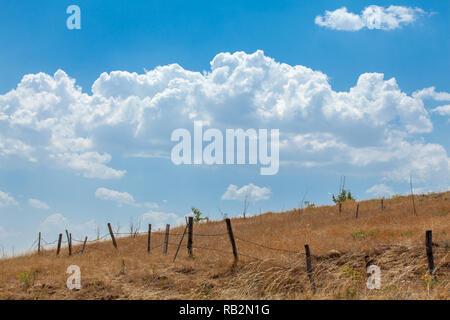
<point>393,239</point>
<point>309,204</point>
<point>27,277</point>
<point>351,274</point>
<point>198,215</point>
<point>359,234</point>
<point>344,195</point>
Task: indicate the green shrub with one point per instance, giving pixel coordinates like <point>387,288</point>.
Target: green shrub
<point>197,215</point>
<point>343,196</point>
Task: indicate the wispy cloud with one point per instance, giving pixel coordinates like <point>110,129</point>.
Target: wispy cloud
<point>442,110</point>
<point>38,204</point>
<point>122,198</point>
<point>7,200</point>
<point>380,190</point>
<point>56,223</point>
<point>159,219</point>
<point>250,191</point>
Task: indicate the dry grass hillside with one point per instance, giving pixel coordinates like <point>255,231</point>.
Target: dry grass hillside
<point>340,246</point>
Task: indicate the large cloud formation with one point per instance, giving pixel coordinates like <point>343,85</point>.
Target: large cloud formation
<point>373,127</point>
<point>372,17</point>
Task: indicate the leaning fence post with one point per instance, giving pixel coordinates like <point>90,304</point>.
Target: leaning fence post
<point>84,245</point>
<point>59,244</point>
<point>149,237</point>
<point>309,268</point>
<point>179,244</point>
<point>166,238</point>
<point>429,245</point>
<point>233,243</point>
<point>357,211</point>
<point>190,234</point>
<point>112,235</point>
<point>70,244</point>
<point>39,243</point>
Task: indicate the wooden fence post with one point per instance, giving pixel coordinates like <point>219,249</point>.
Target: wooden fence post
<point>190,234</point>
<point>70,244</point>
<point>429,245</point>
<point>112,235</point>
<point>309,268</point>
<point>84,245</point>
<point>233,243</point>
<point>39,243</point>
<point>357,211</point>
<point>149,237</point>
<point>166,239</point>
<point>382,204</point>
<point>179,244</point>
<point>68,241</point>
<point>59,244</point>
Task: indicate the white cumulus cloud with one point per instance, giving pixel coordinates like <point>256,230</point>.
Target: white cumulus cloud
<point>113,195</point>
<point>372,17</point>
<point>159,219</point>
<point>251,191</point>
<point>370,127</point>
<point>57,223</point>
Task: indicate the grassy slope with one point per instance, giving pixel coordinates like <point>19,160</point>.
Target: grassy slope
<point>393,240</point>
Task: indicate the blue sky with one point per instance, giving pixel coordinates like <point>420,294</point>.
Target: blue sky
<point>342,130</point>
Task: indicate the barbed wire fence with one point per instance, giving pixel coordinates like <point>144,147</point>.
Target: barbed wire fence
<point>41,243</point>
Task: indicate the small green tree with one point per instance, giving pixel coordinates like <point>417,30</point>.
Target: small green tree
<point>343,196</point>
<point>198,215</point>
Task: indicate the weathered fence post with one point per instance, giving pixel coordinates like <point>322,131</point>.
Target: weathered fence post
<point>233,243</point>
<point>149,237</point>
<point>340,207</point>
<point>309,268</point>
<point>39,243</point>
<point>357,211</point>
<point>112,235</point>
<point>70,244</point>
<point>84,245</point>
<point>166,239</point>
<point>382,204</point>
<point>59,244</point>
<point>179,244</point>
<point>429,245</point>
<point>190,234</point>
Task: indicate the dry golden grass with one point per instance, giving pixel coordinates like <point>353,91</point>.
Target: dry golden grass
<point>392,239</point>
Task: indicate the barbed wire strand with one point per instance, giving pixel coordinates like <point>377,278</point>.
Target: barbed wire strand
<point>203,248</point>
<point>269,248</point>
